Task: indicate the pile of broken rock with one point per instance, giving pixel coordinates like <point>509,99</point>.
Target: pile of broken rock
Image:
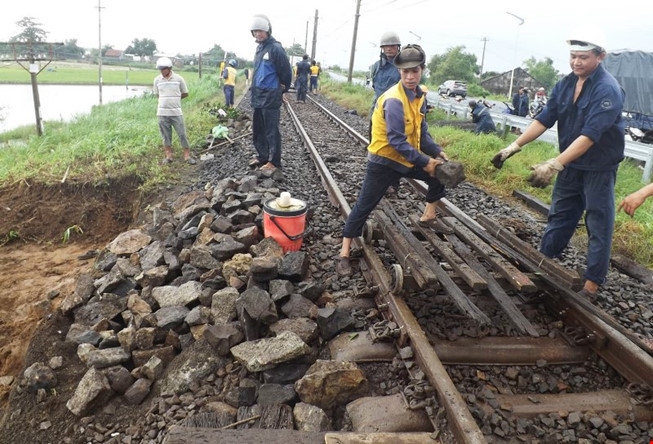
<point>202,290</point>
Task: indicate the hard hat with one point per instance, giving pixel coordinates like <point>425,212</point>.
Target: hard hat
<point>390,38</point>
<point>261,22</point>
<point>587,38</point>
<point>541,88</point>
<point>163,62</point>
<point>410,56</point>
<point>232,62</point>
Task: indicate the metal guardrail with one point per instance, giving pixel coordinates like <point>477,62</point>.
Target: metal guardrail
<point>634,150</point>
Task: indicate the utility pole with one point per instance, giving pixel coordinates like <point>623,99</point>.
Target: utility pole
<point>306,39</point>
<point>33,52</point>
<point>353,42</point>
<point>514,59</point>
<point>484,40</point>
<point>313,51</point>
<point>99,28</point>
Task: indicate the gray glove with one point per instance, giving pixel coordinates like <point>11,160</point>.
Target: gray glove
<point>544,172</point>
<point>504,154</point>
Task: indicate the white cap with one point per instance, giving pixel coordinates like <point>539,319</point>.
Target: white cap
<point>587,38</point>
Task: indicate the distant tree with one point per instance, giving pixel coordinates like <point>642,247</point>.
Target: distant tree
<point>296,50</point>
<point>543,71</point>
<point>31,33</point>
<point>455,64</point>
<point>213,56</point>
<point>69,50</point>
<point>489,74</point>
<point>30,40</point>
<point>142,48</point>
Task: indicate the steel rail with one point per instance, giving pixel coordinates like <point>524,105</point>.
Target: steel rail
<point>462,424</point>
<point>625,353</point>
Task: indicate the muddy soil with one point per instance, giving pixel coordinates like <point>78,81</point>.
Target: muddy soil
<point>48,234</point>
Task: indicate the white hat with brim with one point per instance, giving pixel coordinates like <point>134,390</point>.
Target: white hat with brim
<point>575,45</point>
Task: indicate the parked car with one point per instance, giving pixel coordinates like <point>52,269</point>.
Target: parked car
<point>453,88</point>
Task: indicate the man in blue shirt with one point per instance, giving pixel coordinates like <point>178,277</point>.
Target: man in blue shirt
<point>520,102</point>
<point>482,118</point>
<point>587,104</point>
<point>385,74</point>
<point>272,77</point>
<point>301,78</point>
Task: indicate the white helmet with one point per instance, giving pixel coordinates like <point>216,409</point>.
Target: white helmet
<point>261,22</point>
<point>163,62</point>
<point>390,38</point>
<point>586,39</point>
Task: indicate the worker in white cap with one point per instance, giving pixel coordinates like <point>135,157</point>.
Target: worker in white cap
<point>587,106</point>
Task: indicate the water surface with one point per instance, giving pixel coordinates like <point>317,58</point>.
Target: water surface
<point>58,102</point>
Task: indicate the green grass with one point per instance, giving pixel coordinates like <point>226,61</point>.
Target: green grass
<point>83,74</point>
<point>349,96</point>
<point>115,139</point>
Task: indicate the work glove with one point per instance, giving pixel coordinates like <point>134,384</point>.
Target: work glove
<point>504,154</point>
<point>544,172</point>
<point>220,131</point>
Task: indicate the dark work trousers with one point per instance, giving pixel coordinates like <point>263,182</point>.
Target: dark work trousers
<point>229,95</point>
<point>266,135</point>
<point>301,85</point>
<point>576,191</point>
<point>377,180</point>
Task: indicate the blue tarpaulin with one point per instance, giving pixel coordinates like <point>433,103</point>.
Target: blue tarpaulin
<point>634,72</point>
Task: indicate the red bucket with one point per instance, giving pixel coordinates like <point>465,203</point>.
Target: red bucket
<point>285,224</point>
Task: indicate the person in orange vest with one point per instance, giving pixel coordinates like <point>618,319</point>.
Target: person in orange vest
<point>229,77</point>
<point>315,74</point>
<point>401,146</point>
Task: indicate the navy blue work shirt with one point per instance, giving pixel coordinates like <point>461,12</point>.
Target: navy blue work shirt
<point>597,114</point>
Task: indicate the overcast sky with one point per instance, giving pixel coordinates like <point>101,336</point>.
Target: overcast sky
<point>483,27</point>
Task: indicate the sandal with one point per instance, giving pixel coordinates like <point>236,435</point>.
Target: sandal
<point>268,166</point>
<point>586,294</point>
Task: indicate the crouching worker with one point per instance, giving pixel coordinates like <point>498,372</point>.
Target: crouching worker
<point>482,118</point>
<point>400,146</point>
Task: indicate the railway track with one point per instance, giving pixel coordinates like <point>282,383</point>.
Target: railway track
<point>480,262</point>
